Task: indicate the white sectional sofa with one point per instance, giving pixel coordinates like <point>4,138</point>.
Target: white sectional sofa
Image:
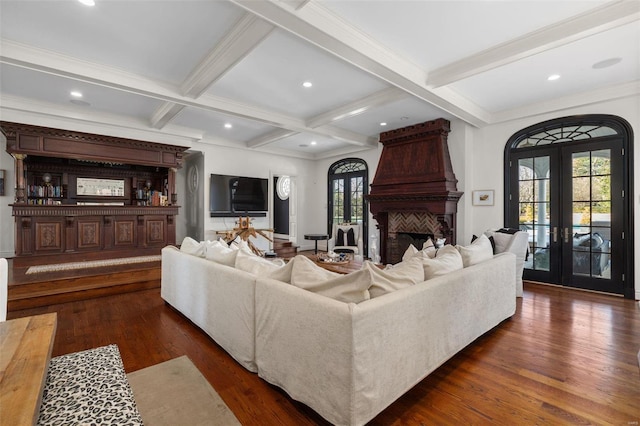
<point>347,361</point>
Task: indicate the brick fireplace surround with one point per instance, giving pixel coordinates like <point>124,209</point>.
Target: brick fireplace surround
<point>414,191</point>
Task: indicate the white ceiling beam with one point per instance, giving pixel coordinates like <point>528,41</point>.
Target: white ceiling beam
<point>321,27</point>
<point>248,32</point>
<point>603,18</point>
<point>270,138</point>
<point>352,109</point>
<point>48,62</point>
<point>164,114</point>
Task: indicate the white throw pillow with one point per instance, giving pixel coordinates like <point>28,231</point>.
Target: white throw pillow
<point>501,240</point>
<point>447,259</point>
<point>404,274</point>
<point>478,251</point>
<point>256,265</point>
<point>350,288</point>
<point>221,253</point>
<point>191,246</point>
<point>410,252</point>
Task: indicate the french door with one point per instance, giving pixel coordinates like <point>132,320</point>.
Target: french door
<point>570,198</point>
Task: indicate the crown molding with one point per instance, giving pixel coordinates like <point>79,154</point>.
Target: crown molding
<point>605,94</point>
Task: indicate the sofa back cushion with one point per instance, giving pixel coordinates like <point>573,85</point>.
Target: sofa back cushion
<point>350,288</point>
<point>256,265</point>
<point>220,252</point>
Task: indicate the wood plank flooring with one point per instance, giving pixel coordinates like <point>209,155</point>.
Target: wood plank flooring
<point>566,357</point>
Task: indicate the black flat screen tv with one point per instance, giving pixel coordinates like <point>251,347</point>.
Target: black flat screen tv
<point>238,196</point>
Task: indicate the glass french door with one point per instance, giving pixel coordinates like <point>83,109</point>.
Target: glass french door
<point>568,195</point>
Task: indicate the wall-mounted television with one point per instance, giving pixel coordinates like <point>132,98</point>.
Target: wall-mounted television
<point>238,196</point>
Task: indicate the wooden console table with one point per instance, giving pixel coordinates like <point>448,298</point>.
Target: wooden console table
<point>26,350</point>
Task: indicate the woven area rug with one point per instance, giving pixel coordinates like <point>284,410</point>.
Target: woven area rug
<point>91,264</point>
<point>176,393</point>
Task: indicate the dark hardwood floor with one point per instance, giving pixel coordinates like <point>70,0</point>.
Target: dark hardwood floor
<point>566,357</point>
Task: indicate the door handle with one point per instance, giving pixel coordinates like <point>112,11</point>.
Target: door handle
<point>555,234</point>
<point>566,235</point>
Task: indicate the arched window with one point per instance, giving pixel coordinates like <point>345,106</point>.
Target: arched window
<point>567,183</point>
<point>348,183</point>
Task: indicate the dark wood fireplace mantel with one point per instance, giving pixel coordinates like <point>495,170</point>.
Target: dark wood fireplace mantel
<point>415,176</point>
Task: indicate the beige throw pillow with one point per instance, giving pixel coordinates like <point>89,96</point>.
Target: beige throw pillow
<point>402,275</point>
<point>221,253</point>
<point>350,288</point>
<point>191,246</point>
<point>447,259</point>
<point>478,251</point>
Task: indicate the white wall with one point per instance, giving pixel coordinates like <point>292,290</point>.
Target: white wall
<point>242,162</point>
<point>487,154</point>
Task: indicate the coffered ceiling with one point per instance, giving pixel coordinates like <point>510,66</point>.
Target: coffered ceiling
<point>232,72</point>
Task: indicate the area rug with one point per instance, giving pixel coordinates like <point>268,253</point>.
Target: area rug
<point>176,393</point>
<point>91,264</point>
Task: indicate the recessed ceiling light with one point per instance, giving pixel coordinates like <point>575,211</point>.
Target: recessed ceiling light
<point>314,143</point>
<point>553,77</point>
<point>88,2</point>
<point>404,118</point>
<point>383,124</point>
<point>76,94</point>
<point>307,84</point>
<point>228,125</point>
<point>606,63</point>
<point>303,145</point>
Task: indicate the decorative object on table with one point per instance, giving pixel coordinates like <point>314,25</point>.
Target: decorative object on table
<point>483,197</point>
<point>335,258</point>
<point>346,237</point>
<point>244,230</point>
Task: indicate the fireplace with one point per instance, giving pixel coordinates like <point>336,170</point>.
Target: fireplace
<point>414,190</point>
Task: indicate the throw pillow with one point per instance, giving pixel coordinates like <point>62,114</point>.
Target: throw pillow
<point>502,241</point>
<point>349,288</point>
<point>402,275</point>
<point>410,252</point>
<point>447,259</point>
<point>491,240</point>
<point>256,265</point>
<point>478,251</point>
<point>221,253</point>
<point>191,246</point>
<point>340,237</point>
<point>351,238</point>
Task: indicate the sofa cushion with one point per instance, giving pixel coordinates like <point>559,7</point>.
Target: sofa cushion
<point>401,275</point>
<point>428,250</point>
<point>478,251</point>
<point>249,262</point>
<point>353,287</point>
<point>447,259</point>
<point>410,252</point>
<point>191,246</point>
<point>221,253</point>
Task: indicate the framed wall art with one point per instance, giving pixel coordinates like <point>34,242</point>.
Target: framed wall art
<point>483,197</point>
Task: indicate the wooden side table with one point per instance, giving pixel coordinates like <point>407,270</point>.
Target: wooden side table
<point>316,238</point>
<point>24,360</point>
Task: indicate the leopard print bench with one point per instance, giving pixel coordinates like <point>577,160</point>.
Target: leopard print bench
<point>88,387</point>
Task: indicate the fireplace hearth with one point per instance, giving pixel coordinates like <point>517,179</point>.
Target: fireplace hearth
<point>414,190</point>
